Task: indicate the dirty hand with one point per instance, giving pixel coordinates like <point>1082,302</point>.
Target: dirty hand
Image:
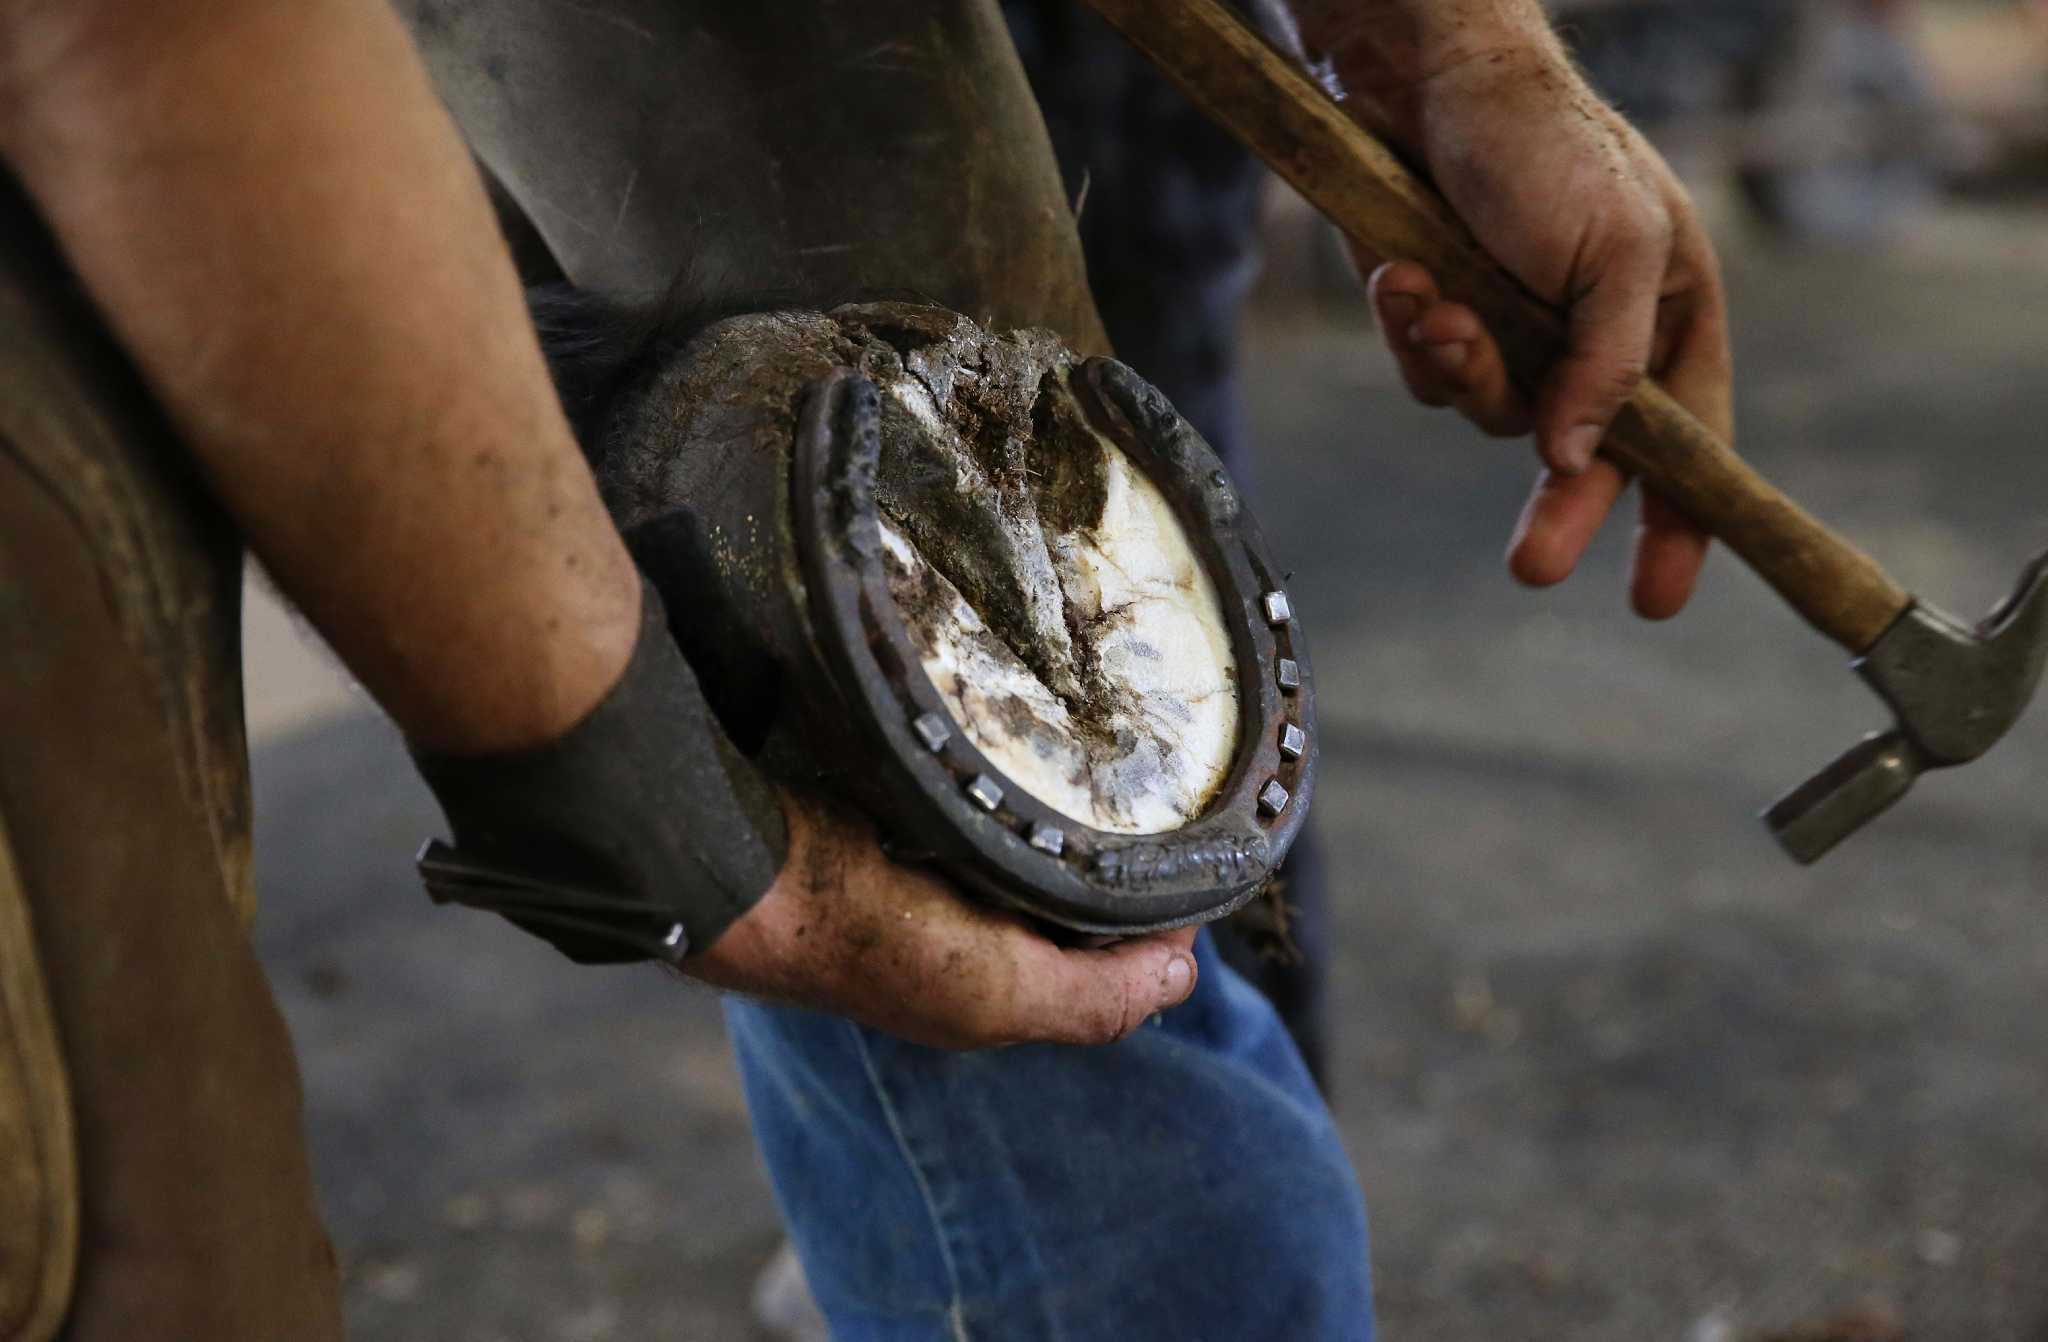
<point>1571,200</point>
<point>846,930</point>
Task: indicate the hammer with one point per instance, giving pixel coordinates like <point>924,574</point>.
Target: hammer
<point>1953,689</point>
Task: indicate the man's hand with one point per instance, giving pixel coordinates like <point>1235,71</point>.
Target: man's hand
<point>846,930</point>
<point>1572,201</point>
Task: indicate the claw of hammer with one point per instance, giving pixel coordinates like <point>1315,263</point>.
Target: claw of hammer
<point>1954,691</point>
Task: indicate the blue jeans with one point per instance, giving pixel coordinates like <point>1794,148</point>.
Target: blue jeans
<point>1186,1183</point>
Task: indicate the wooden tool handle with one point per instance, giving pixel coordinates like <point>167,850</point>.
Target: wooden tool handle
<point>1266,100</point>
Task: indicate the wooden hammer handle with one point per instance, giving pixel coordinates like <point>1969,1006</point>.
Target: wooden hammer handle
<point>1265,99</point>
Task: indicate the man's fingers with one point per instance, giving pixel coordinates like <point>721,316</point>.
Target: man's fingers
<point>1100,996</point>
<point>1668,555</point>
<point>1693,364</point>
<point>1559,521</point>
<point>847,930</point>
<point>1444,352</point>
<point>1692,357</point>
<point>1401,292</point>
<point>1457,344</point>
<point>1610,328</point>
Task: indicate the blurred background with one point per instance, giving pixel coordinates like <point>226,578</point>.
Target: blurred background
<point>1610,1066</point>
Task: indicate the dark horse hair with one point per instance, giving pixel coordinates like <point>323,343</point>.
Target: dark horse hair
<point>602,349</point>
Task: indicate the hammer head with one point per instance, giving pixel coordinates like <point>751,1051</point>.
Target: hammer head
<point>1954,692</point>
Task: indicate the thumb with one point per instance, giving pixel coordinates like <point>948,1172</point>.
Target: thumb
<point>1100,996</point>
<point>1610,327</point>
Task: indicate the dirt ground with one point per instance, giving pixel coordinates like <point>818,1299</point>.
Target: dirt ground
<point>1611,1067</point>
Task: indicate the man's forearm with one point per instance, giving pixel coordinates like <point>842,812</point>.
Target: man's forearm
<point>281,225</point>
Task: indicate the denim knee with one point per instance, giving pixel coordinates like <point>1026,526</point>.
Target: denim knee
<point>1187,1182</point>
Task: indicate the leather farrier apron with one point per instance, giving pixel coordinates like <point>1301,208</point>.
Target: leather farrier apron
<point>153,1175</point>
